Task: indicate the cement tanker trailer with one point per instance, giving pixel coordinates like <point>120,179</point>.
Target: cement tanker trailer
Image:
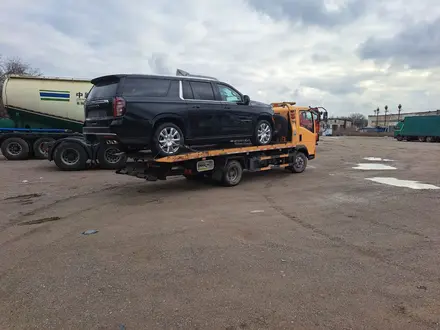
<point>46,117</point>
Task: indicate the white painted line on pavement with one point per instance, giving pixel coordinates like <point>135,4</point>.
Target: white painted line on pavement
<point>373,166</point>
<point>403,183</point>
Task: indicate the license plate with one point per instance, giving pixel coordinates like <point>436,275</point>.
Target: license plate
<point>205,165</point>
<point>97,114</point>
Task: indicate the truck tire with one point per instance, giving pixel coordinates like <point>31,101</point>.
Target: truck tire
<point>232,173</point>
<point>70,156</point>
<point>167,130</point>
<point>108,160</point>
<point>299,163</point>
<point>15,149</point>
<point>263,133</point>
<point>40,147</point>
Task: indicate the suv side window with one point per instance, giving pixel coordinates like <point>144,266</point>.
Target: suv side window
<point>146,87</point>
<point>228,94</point>
<point>202,90</point>
<point>187,91</point>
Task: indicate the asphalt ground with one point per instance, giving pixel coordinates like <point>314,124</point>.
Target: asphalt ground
<point>325,249</point>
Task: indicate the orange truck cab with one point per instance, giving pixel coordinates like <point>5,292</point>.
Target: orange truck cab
<point>309,117</point>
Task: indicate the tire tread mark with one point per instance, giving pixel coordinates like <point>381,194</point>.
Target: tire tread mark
<point>339,240</point>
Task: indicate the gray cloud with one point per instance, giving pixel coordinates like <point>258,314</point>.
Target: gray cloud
<point>321,58</point>
<point>416,46</point>
<point>158,64</point>
<point>276,50</point>
<point>311,12</point>
<point>340,86</point>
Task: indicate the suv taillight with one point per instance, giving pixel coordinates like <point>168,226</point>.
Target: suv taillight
<point>118,107</point>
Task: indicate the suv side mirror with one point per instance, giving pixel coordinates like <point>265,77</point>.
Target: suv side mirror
<point>246,99</point>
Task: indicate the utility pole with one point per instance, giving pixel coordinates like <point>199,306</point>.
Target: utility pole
<point>385,120</point>
<point>399,107</point>
<point>377,117</point>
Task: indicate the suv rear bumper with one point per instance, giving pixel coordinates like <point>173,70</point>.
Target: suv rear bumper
<point>104,135</point>
<point>98,131</point>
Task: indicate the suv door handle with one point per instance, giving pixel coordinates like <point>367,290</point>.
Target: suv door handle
<point>196,107</point>
<point>227,107</point>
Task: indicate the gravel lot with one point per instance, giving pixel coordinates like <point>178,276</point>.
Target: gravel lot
<point>325,249</point>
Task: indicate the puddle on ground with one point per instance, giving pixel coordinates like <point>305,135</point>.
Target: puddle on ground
<point>403,183</point>
<point>373,166</point>
<point>378,159</point>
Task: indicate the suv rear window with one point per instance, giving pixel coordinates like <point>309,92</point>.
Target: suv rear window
<point>146,87</point>
<point>103,90</point>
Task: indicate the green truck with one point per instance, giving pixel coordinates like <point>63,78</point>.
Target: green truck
<point>422,128</point>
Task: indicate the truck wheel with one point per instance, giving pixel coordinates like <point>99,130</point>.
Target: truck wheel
<point>429,139</point>
<point>108,160</point>
<point>263,133</point>
<point>40,147</point>
<point>232,173</point>
<point>15,149</point>
<point>70,156</point>
<point>399,138</point>
<point>299,164</point>
<point>167,140</point>
<point>422,138</point>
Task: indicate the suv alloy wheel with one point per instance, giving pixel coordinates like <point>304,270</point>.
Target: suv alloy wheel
<point>168,140</point>
<point>263,133</point>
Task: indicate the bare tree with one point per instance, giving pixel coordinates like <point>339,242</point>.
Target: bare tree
<point>14,65</point>
<point>358,120</point>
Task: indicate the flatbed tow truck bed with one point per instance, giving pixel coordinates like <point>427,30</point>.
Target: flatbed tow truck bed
<point>222,165</point>
<point>294,146</point>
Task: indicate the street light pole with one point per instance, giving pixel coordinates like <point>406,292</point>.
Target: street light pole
<point>377,117</point>
<point>400,108</point>
<point>386,111</point>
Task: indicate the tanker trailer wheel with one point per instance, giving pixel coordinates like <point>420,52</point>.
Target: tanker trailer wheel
<point>15,149</point>
<point>108,159</point>
<point>41,148</point>
<point>70,156</point>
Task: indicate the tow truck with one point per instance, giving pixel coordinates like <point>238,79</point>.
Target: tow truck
<point>293,146</point>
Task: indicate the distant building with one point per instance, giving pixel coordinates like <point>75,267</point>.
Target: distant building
<point>337,124</point>
<point>391,119</point>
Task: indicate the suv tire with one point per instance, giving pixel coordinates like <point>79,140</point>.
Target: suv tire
<point>168,140</point>
<point>263,133</point>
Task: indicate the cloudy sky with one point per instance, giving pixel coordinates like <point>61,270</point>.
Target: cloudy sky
<point>347,55</point>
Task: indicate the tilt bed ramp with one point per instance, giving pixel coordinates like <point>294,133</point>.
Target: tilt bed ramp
<point>295,144</point>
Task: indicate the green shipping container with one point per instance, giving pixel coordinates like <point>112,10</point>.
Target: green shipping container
<point>418,127</point>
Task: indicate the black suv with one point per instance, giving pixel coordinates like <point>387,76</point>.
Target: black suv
<point>166,113</point>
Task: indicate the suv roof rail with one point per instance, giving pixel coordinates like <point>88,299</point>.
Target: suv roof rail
<point>180,72</point>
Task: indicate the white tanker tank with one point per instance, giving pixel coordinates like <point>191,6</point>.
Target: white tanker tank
<point>45,102</point>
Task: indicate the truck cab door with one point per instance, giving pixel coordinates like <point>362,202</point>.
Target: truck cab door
<point>307,131</point>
